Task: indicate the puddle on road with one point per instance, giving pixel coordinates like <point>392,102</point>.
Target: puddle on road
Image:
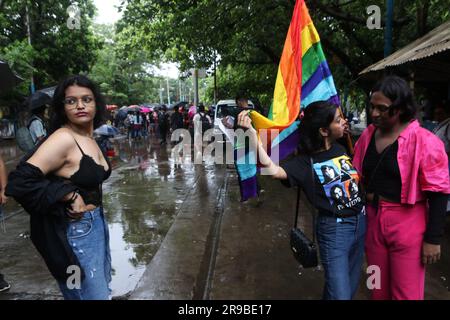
<point>141,199</point>
<point>145,192</point>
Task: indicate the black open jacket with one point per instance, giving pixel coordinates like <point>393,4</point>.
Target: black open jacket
<point>40,196</point>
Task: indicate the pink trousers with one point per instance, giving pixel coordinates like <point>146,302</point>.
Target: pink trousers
<point>394,243</point>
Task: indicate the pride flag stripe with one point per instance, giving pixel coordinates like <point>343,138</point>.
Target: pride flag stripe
<point>303,77</point>
<point>311,61</point>
<point>309,37</point>
<point>323,91</point>
<point>322,71</point>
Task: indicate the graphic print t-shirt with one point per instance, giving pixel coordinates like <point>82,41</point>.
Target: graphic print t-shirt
<point>336,182</point>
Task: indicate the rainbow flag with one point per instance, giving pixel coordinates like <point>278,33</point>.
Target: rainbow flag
<point>303,77</point>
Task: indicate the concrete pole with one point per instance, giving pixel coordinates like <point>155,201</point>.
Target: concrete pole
<point>168,92</point>
<point>160,93</point>
<point>215,80</point>
<point>196,87</point>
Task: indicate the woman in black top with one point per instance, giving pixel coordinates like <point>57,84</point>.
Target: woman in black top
<point>341,222</point>
<point>60,185</point>
<point>405,173</point>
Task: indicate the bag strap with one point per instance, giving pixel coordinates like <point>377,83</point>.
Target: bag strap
<point>297,209</point>
<point>33,119</point>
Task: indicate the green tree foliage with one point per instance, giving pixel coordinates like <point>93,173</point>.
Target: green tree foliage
<point>123,80</point>
<point>56,50</point>
<point>20,56</point>
<point>248,36</point>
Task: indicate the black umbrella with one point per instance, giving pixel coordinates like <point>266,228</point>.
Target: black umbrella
<point>39,99</point>
<point>122,113</point>
<point>7,77</point>
<point>48,91</point>
<point>178,104</point>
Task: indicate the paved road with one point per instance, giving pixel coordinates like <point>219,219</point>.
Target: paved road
<point>180,232</point>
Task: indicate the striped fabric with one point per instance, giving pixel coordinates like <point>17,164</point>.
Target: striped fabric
<point>303,77</point>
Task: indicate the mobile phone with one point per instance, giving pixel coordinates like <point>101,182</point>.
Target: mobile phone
<point>229,122</point>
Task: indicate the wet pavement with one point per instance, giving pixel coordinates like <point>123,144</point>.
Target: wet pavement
<point>180,232</point>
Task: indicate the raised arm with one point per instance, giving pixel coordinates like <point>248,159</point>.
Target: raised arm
<point>271,168</point>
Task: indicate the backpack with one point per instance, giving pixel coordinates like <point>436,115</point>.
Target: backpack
<point>206,125</point>
<point>24,139</point>
<point>162,119</point>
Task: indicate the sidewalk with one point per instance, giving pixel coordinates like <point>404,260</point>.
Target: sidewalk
<point>241,251</point>
<point>217,247</point>
<point>235,251</point>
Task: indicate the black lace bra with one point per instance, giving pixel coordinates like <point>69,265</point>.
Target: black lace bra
<point>89,178</point>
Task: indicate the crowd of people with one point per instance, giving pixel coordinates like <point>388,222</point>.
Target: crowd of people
<point>388,202</point>
<point>160,121</point>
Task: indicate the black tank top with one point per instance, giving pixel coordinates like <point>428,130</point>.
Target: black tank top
<point>89,178</point>
<point>387,181</point>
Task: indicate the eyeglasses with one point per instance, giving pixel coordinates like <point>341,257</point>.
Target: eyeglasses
<point>72,102</point>
<point>381,108</point>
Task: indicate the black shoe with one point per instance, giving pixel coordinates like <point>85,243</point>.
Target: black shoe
<point>3,284</point>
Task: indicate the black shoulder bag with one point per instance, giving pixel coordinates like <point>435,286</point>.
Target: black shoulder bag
<point>304,250</point>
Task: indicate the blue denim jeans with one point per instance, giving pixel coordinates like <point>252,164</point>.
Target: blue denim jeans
<point>341,247</point>
<point>89,239</point>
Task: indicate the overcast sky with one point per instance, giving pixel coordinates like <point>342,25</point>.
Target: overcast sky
<point>107,13</point>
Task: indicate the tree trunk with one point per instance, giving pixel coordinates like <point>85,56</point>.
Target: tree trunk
<point>422,17</point>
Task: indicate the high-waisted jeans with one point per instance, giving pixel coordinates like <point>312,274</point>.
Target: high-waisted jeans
<point>341,246</point>
<point>89,239</point>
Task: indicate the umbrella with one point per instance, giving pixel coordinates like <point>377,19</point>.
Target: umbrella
<point>133,108</point>
<point>179,104</point>
<point>145,110</point>
<point>7,77</point>
<point>122,114</point>
<point>153,105</point>
<point>48,91</point>
<point>107,130</point>
<point>192,111</point>
<point>39,99</point>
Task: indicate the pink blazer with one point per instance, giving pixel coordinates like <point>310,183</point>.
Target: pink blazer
<point>422,161</point>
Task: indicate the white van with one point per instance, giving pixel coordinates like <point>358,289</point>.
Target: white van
<point>225,108</point>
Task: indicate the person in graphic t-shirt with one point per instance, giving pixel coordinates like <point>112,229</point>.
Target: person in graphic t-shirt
<point>329,174</point>
<point>340,229</point>
<point>345,166</point>
<point>338,194</point>
<point>354,190</point>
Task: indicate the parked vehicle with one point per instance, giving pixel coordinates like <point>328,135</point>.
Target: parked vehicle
<point>226,108</point>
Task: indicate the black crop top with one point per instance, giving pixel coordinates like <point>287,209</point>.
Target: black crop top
<point>89,178</point>
<point>387,181</point>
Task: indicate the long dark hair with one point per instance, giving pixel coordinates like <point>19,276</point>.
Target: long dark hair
<point>399,92</point>
<point>58,113</point>
<point>317,115</point>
